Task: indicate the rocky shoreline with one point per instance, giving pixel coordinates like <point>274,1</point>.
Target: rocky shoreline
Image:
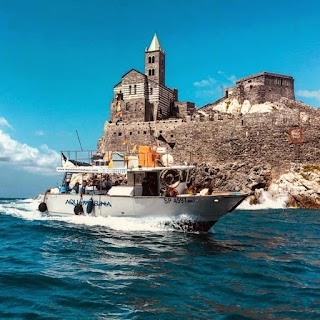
<point>299,184</point>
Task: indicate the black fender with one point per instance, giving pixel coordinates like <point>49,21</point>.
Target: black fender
<point>42,207</point>
<point>78,209</point>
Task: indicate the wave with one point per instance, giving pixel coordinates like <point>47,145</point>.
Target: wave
<point>266,200</point>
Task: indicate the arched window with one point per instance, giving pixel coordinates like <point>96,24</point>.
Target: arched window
<point>152,72</point>
<point>151,91</point>
<point>152,59</point>
<point>149,72</point>
<point>135,89</point>
<point>130,89</point>
<point>149,59</point>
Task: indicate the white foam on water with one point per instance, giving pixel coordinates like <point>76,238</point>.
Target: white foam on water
<point>117,223</point>
<point>266,200</point>
<point>28,209</point>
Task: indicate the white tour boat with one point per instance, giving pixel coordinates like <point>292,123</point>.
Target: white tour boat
<point>154,187</point>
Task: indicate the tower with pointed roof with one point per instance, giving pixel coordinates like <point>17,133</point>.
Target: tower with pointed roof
<point>141,97</point>
<point>155,62</point>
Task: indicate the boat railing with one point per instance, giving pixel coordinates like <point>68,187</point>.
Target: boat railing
<point>116,160</point>
<point>78,157</point>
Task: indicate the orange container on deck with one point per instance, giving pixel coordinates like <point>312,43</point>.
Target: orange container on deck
<point>146,158</point>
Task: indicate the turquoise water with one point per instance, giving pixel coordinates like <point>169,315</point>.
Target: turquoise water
<point>252,265</point>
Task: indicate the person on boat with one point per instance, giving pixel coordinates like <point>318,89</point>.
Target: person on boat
<point>209,192</point>
<point>75,188</point>
<point>107,184</point>
<point>171,192</point>
<point>83,187</point>
<point>153,185</point>
<point>189,189</point>
<point>65,187</point>
<point>146,188</point>
<point>67,182</point>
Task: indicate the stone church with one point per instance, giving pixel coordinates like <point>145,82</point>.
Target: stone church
<point>140,97</point>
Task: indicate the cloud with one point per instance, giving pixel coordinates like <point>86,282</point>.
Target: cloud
<point>309,94</point>
<point>26,158</point>
<point>5,123</point>
<point>207,88</point>
<point>39,133</point>
<point>211,88</point>
<point>205,83</point>
<point>232,78</point>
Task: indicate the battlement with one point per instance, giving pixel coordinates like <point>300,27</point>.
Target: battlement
<point>223,121</point>
<point>264,73</point>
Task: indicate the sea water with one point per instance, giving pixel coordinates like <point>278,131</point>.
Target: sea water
<point>253,264</point>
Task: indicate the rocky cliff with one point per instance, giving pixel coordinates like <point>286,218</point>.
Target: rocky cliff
<point>295,185</point>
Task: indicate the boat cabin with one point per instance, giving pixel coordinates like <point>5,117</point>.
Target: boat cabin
<point>139,180</point>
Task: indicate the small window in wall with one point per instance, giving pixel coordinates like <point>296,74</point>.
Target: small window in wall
<point>150,72</point>
<point>135,89</point>
<point>172,136</point>
<point>129,89</point>
<point>151,91</point>
<point>130,133</point>
<point>251,87</point>
<point>120,134</point>
<point>145,132</point>
<point>160,131</point>
<point>149,59</point>
<point>152,59</point>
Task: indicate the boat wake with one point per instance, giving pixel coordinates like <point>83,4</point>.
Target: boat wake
<point>28,209</point>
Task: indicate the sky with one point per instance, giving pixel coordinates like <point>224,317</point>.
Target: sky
<point>60,59</point>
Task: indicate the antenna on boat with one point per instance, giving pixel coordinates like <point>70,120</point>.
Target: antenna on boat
<point>79,140</point>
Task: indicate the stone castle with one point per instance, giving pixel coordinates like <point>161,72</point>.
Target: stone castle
<point>144,108</point>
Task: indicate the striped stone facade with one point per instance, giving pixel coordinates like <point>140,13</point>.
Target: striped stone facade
<point>144,97</point>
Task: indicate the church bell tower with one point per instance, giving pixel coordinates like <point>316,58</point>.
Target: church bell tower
<point>155,62</point>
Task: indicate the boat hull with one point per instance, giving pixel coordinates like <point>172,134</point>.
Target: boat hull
<point>201,212</point>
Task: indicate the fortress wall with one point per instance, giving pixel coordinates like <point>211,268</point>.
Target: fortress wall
<point>133,110</point>
<point>257,139</point>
